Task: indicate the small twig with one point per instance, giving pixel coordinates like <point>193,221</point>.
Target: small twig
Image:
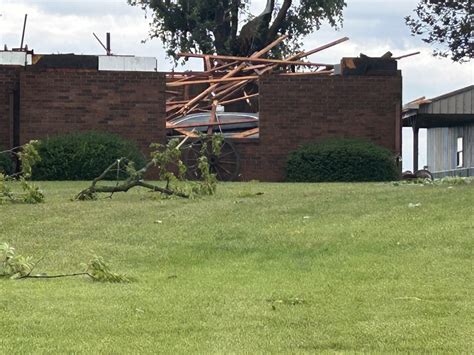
<point>117,176</point>
<point>12,150</point>
<point>33,267</point>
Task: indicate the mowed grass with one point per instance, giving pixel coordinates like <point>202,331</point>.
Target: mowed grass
<point>301,268</point>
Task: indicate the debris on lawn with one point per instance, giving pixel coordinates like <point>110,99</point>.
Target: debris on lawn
<point>414,205</point>
<point>18,267</point>
<point>293,301</point>
<point>447,180</point>
<point>409,298</point>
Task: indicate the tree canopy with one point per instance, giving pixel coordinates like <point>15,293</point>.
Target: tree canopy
<point>446,24</point>
<point>227,26</point>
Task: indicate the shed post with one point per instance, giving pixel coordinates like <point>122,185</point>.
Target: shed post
<point>415,146</point>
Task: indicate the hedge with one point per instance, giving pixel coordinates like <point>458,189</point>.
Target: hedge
<point>7,165</point>
<point>82,156</point>
<point>344,160</point>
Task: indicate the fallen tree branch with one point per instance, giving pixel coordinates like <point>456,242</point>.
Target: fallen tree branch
<point>54,276</point>
<point>132,181</point>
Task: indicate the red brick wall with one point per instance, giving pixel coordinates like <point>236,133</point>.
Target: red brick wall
<point>8,81</point>
<point>293,110</point>
<point>300,109</point>
<point>131,104</point>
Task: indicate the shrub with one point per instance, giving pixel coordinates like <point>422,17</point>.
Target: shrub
<point>341,160</point>
<point>7,166</point>
<point>82,156</point>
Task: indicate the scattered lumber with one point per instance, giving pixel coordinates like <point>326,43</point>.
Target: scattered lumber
<point>230,80</point>
<point>249,59</point>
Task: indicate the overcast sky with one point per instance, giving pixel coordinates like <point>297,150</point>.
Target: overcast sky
<point>373,26</point>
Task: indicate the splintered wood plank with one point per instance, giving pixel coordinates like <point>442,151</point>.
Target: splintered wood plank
<point>212,118</point>
<point>252,60</point>
<point>246,97</point>
<point>216,80</point>
<point>190,134</point>
<point>319,49</point>
<point>247,133</point>
<point>406,55</point>
<point>321,72</point>
<point>230,74</point>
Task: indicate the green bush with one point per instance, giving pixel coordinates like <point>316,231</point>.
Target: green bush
<point>82,156</point>
<point>341,160</point>
<point>7,165</point>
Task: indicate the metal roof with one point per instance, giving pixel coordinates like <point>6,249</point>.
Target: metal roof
<point>457,102</point>
<point>454,108</point>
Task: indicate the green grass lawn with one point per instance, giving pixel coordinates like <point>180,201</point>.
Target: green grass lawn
<point>301,268</point>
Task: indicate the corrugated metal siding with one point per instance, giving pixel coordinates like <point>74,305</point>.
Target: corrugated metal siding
<point>441,143</point>
<point>462,103</point>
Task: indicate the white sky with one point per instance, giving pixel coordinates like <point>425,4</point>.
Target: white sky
<point>373,26</point>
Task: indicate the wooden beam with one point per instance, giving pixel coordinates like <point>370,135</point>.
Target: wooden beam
<point>230,74</point>
<point>207,81</point>
<point>231,90</point>
<point>415,147</point>
<point>246,133</point>
<point>212,118</point>
<point>251,60</point>
<point>319,49</point>
<point>406,55</point>
<point>270,46</point>
<point>190,134</point>
<point>223,103</point>
<point>207,63</point>
<point>322,72</point>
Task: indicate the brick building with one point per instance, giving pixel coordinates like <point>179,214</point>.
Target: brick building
<point>39,101</point>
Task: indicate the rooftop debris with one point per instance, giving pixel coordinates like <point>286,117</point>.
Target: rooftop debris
<point>227,80</point>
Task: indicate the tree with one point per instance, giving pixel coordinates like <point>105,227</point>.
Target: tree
<point>447,24</point>
<point>213,25</point>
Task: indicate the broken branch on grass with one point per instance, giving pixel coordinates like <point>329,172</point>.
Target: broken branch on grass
<point>132,181</point>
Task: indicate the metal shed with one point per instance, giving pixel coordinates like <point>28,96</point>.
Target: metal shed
<point>449,120</point>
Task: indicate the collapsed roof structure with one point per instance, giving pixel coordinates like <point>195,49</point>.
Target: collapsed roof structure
<point>227,80</point>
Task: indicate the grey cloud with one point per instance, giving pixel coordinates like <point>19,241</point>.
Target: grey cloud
<point>89,8</point>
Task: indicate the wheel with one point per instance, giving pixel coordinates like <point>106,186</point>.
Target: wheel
<point>226,165</point>
<point>423,174</point>
<point>408,175</point>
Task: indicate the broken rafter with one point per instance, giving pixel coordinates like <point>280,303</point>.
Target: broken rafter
<point>246,133</point>
<point>406,55</point>
<point>217,80</point>
<point>321,72</point>
<point>213,118</point>
<point>246,97</point>
<point>230,74</point>
<point>225,79</point>
<point>319,49</point>
<point>252,60</point>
